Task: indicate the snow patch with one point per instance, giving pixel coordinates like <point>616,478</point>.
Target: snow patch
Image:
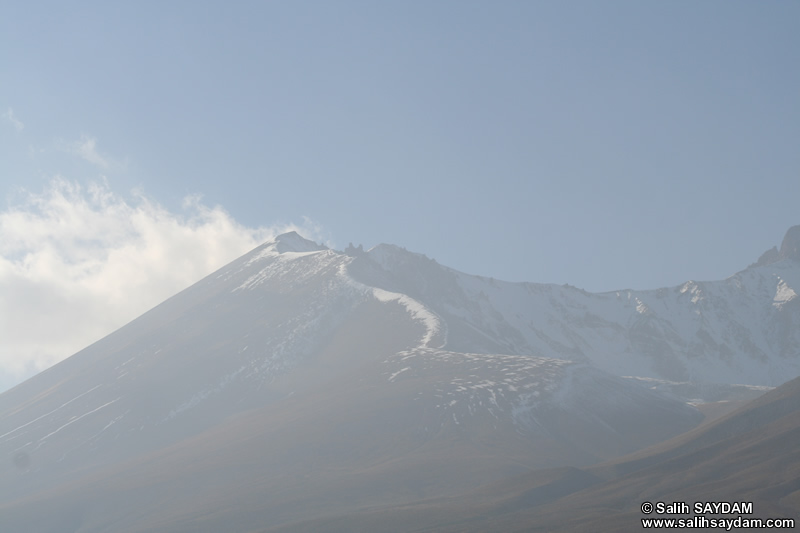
<point>783,294</point>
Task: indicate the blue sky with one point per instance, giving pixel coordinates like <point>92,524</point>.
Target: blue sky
<point>602,144</point>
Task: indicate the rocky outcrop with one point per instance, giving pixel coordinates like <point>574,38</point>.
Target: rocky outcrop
<point>790,247</point>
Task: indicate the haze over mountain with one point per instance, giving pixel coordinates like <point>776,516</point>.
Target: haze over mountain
<point>298,382</point>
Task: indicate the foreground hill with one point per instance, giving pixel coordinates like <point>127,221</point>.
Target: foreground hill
<point>750,455</point>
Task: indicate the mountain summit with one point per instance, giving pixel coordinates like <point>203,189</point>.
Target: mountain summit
<point>293,242</point>
<point>790,247</point>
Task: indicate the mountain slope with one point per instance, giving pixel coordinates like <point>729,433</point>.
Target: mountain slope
<point>750,455</point>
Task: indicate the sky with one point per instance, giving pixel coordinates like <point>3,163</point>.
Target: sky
<point>619,144</point>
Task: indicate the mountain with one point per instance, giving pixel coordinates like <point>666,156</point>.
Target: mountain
<point>299,382</point>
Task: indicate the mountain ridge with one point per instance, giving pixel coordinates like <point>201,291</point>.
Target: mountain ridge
<point>743,329</point>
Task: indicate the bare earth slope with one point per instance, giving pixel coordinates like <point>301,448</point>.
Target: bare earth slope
<point>750,455</point>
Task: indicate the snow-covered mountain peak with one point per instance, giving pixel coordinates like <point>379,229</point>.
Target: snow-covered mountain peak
<point>293,242</point>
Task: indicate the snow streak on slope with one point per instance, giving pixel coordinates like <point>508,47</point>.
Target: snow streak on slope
<point>435,329</point>
<point>23,426</point>
<point>417,311</point>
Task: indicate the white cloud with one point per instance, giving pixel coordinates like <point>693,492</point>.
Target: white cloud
<point>17,123</point>
<point>78,262</point>
<point>86,148</point>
